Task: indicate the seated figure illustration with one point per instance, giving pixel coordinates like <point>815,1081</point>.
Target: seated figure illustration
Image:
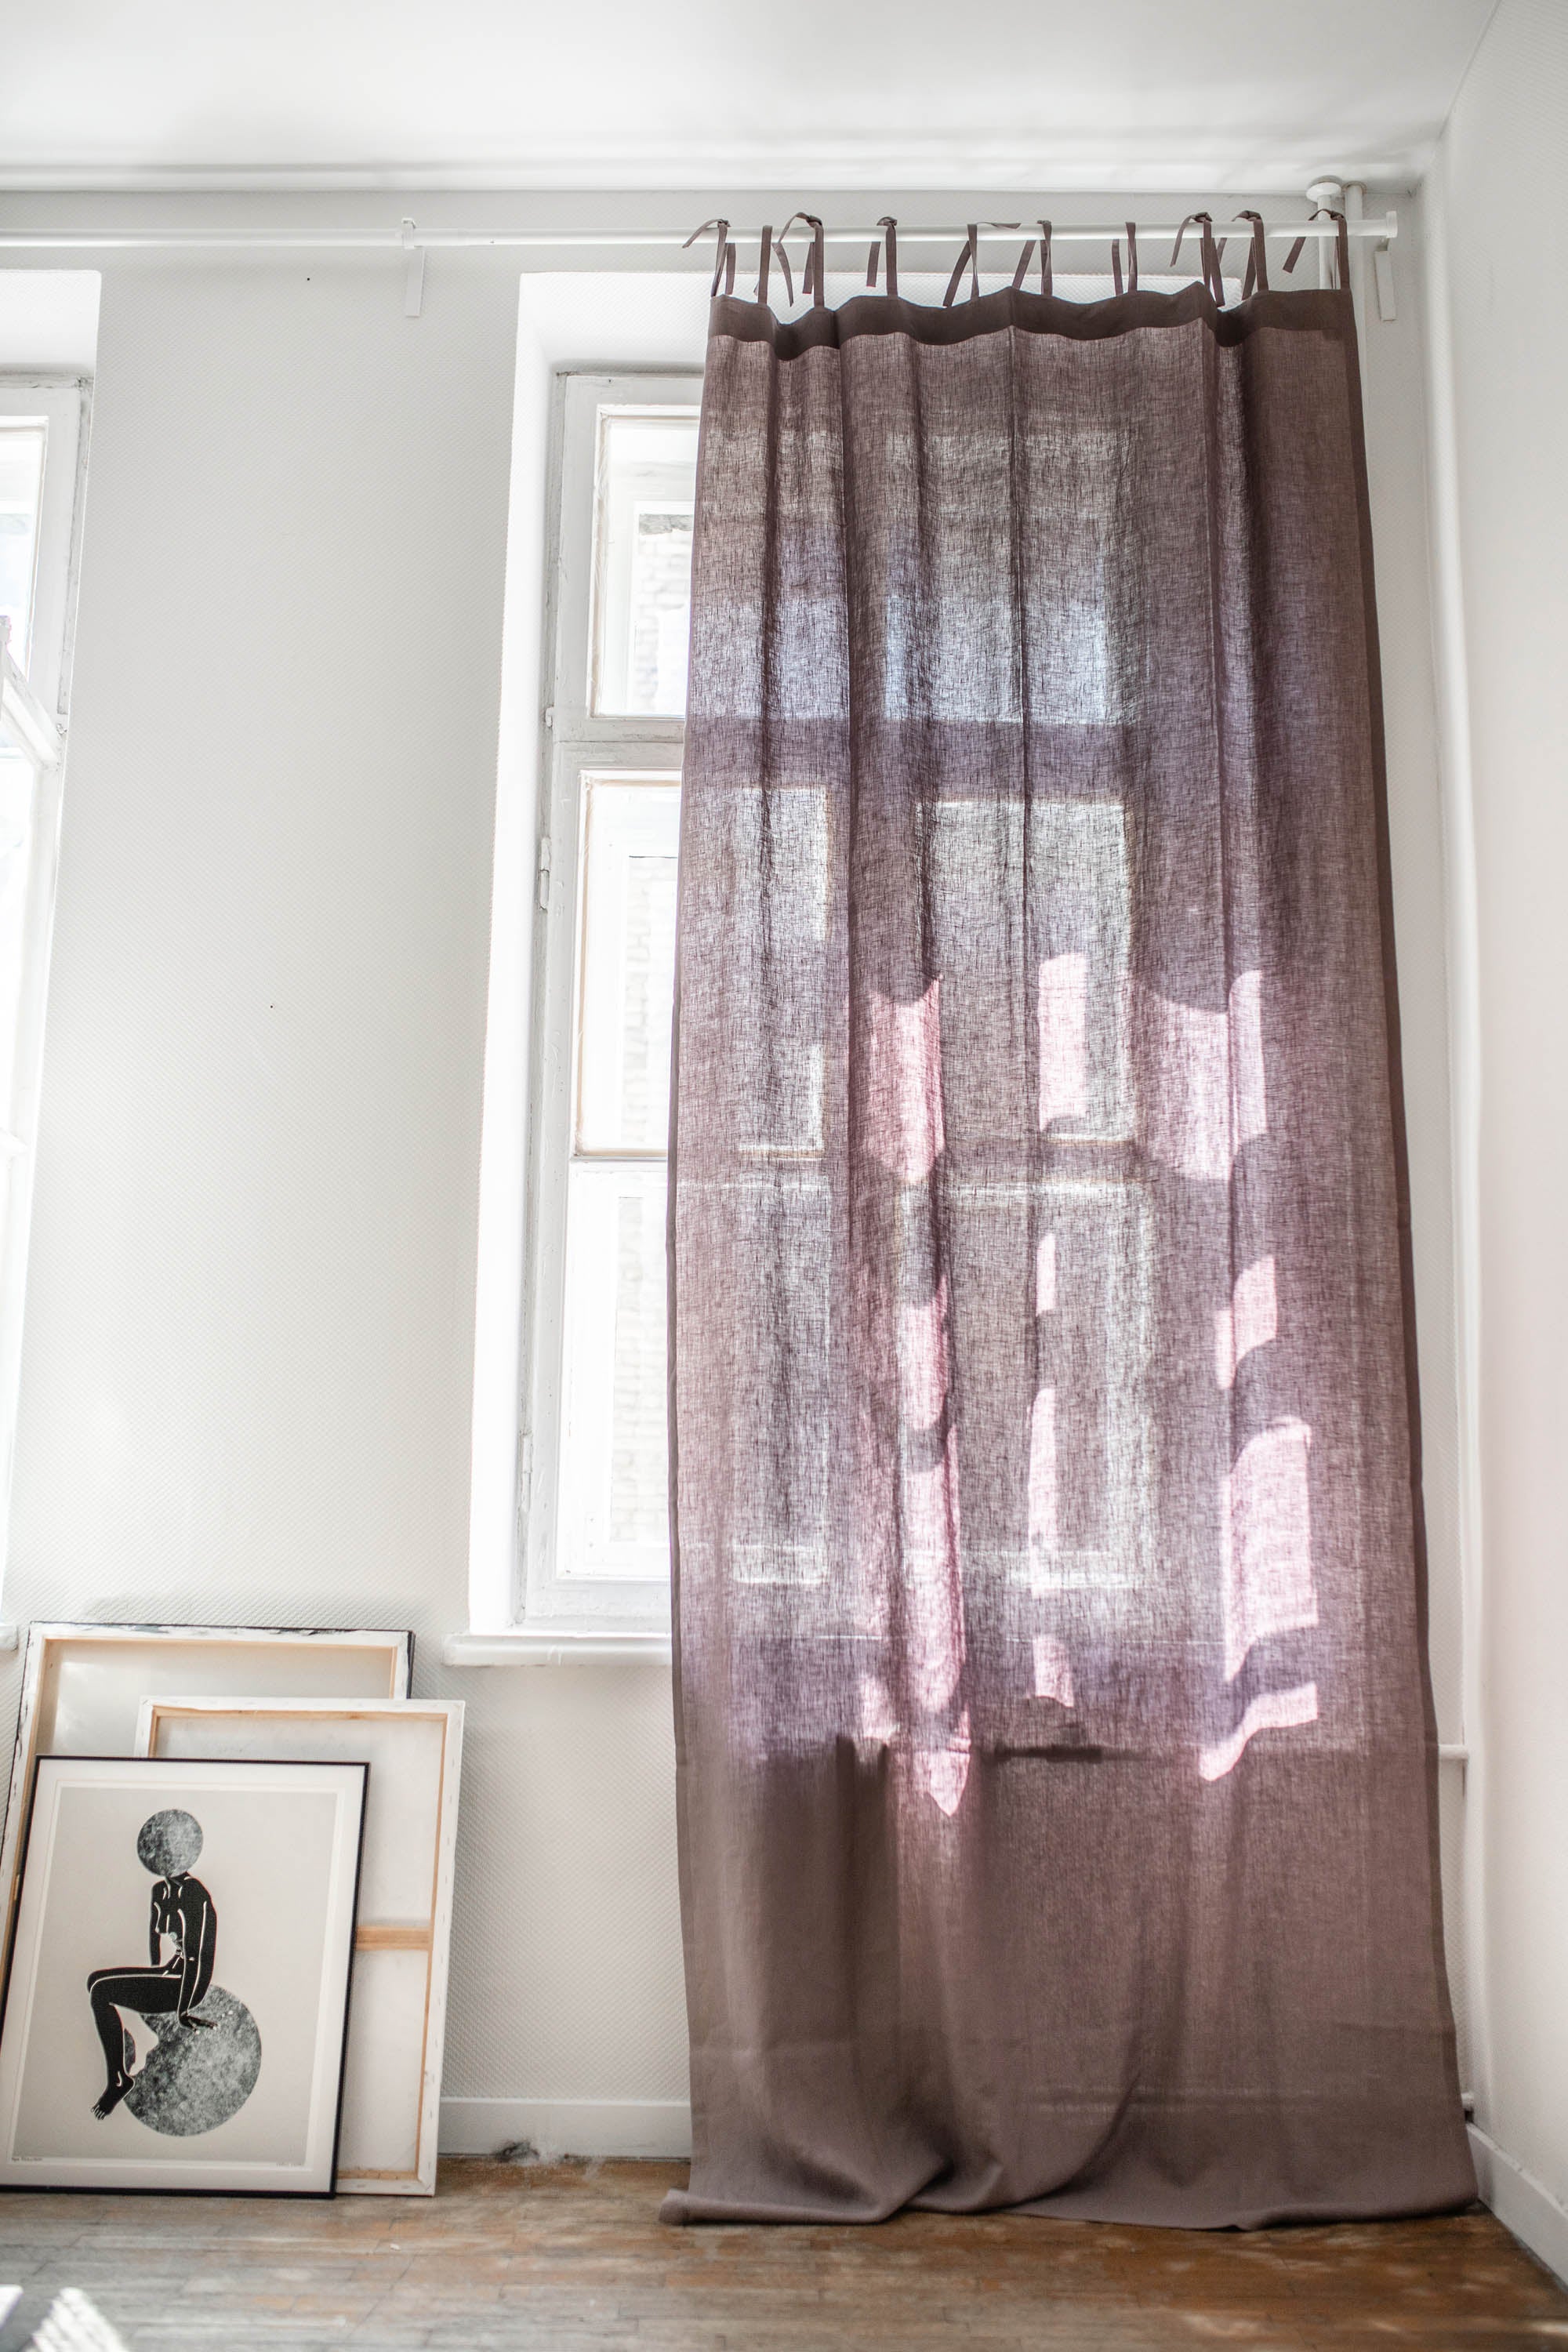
<point>204,2060</point>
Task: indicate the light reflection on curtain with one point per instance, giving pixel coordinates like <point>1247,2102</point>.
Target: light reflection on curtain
<point>1056,1760</point>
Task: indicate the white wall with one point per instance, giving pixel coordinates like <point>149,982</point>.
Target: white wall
<point>245,1387</point>
<point>1499,383</point>
<point>1393,353</point>
<point>250,1322</point>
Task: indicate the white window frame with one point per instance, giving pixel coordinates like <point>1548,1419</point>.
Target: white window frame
<point>555,1616</point>
<point>33,707</point>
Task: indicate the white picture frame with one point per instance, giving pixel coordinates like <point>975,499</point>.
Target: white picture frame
<point>398,2013</point>
<point>177,2008</point>
<point>82,1686</point>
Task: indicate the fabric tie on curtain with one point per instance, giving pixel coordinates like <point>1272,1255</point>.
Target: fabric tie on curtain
<point>1055,1753</point>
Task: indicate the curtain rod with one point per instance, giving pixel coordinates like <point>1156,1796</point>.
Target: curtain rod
<point>409,237</point>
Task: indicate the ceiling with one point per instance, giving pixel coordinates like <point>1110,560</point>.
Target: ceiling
<point>1058,94</point>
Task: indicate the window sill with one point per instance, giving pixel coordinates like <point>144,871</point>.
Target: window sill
<point>537,1645</point>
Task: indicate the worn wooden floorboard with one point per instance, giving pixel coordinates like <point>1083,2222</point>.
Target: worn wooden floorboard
<point>572,2258</point>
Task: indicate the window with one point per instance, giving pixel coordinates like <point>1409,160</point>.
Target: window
<point>41,446</point>
<point>593,1519</point>
<point>594,1487</point>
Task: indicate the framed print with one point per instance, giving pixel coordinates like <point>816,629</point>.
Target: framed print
<point>398,2013</point>
<point>82,1686</point>
<point>178,2002</point>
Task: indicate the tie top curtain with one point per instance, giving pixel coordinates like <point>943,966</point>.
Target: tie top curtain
<point>1056,1756</point>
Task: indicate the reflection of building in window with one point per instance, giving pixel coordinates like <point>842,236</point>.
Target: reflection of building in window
<point>615,1481</point>
<point>613,1469</point>
<point>661,607</point>
<point>642,560</point>
<point>649,951</point>
<point>639,1441</point>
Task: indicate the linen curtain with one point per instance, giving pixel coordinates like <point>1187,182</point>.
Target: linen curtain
<point>1056,1768</point>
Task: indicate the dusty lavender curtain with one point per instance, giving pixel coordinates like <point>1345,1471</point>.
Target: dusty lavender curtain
<point>1057,1763</point>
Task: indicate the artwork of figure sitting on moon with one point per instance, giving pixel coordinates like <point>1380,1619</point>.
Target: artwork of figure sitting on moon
<point>177,2012</point>
<point>180,2053</point>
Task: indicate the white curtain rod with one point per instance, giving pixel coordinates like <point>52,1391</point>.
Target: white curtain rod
<point>409,237</point>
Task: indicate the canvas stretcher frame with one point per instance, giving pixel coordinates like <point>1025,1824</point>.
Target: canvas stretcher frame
<point>392,2086</point>
<point>82,1684</point>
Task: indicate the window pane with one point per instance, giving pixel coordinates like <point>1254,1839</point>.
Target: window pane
<point>1032,1020</point>
<point>614,1471</point>
<point>21,486</point>
<point>631,843</point>
<point>1080,958</point>
<point>778,1225</point>
<point>957,644</point>
<point>776,1010</point>
<point>642,560</point>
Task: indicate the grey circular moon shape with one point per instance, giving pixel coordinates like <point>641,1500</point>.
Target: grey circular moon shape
<point>194,2080</point>
<point>168,1843</point>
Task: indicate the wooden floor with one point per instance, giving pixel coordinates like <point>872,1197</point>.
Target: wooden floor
<point>534,2258</point>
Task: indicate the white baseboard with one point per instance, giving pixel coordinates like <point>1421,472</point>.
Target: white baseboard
<point>1521,2203</point>
<point>553,2127</point>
